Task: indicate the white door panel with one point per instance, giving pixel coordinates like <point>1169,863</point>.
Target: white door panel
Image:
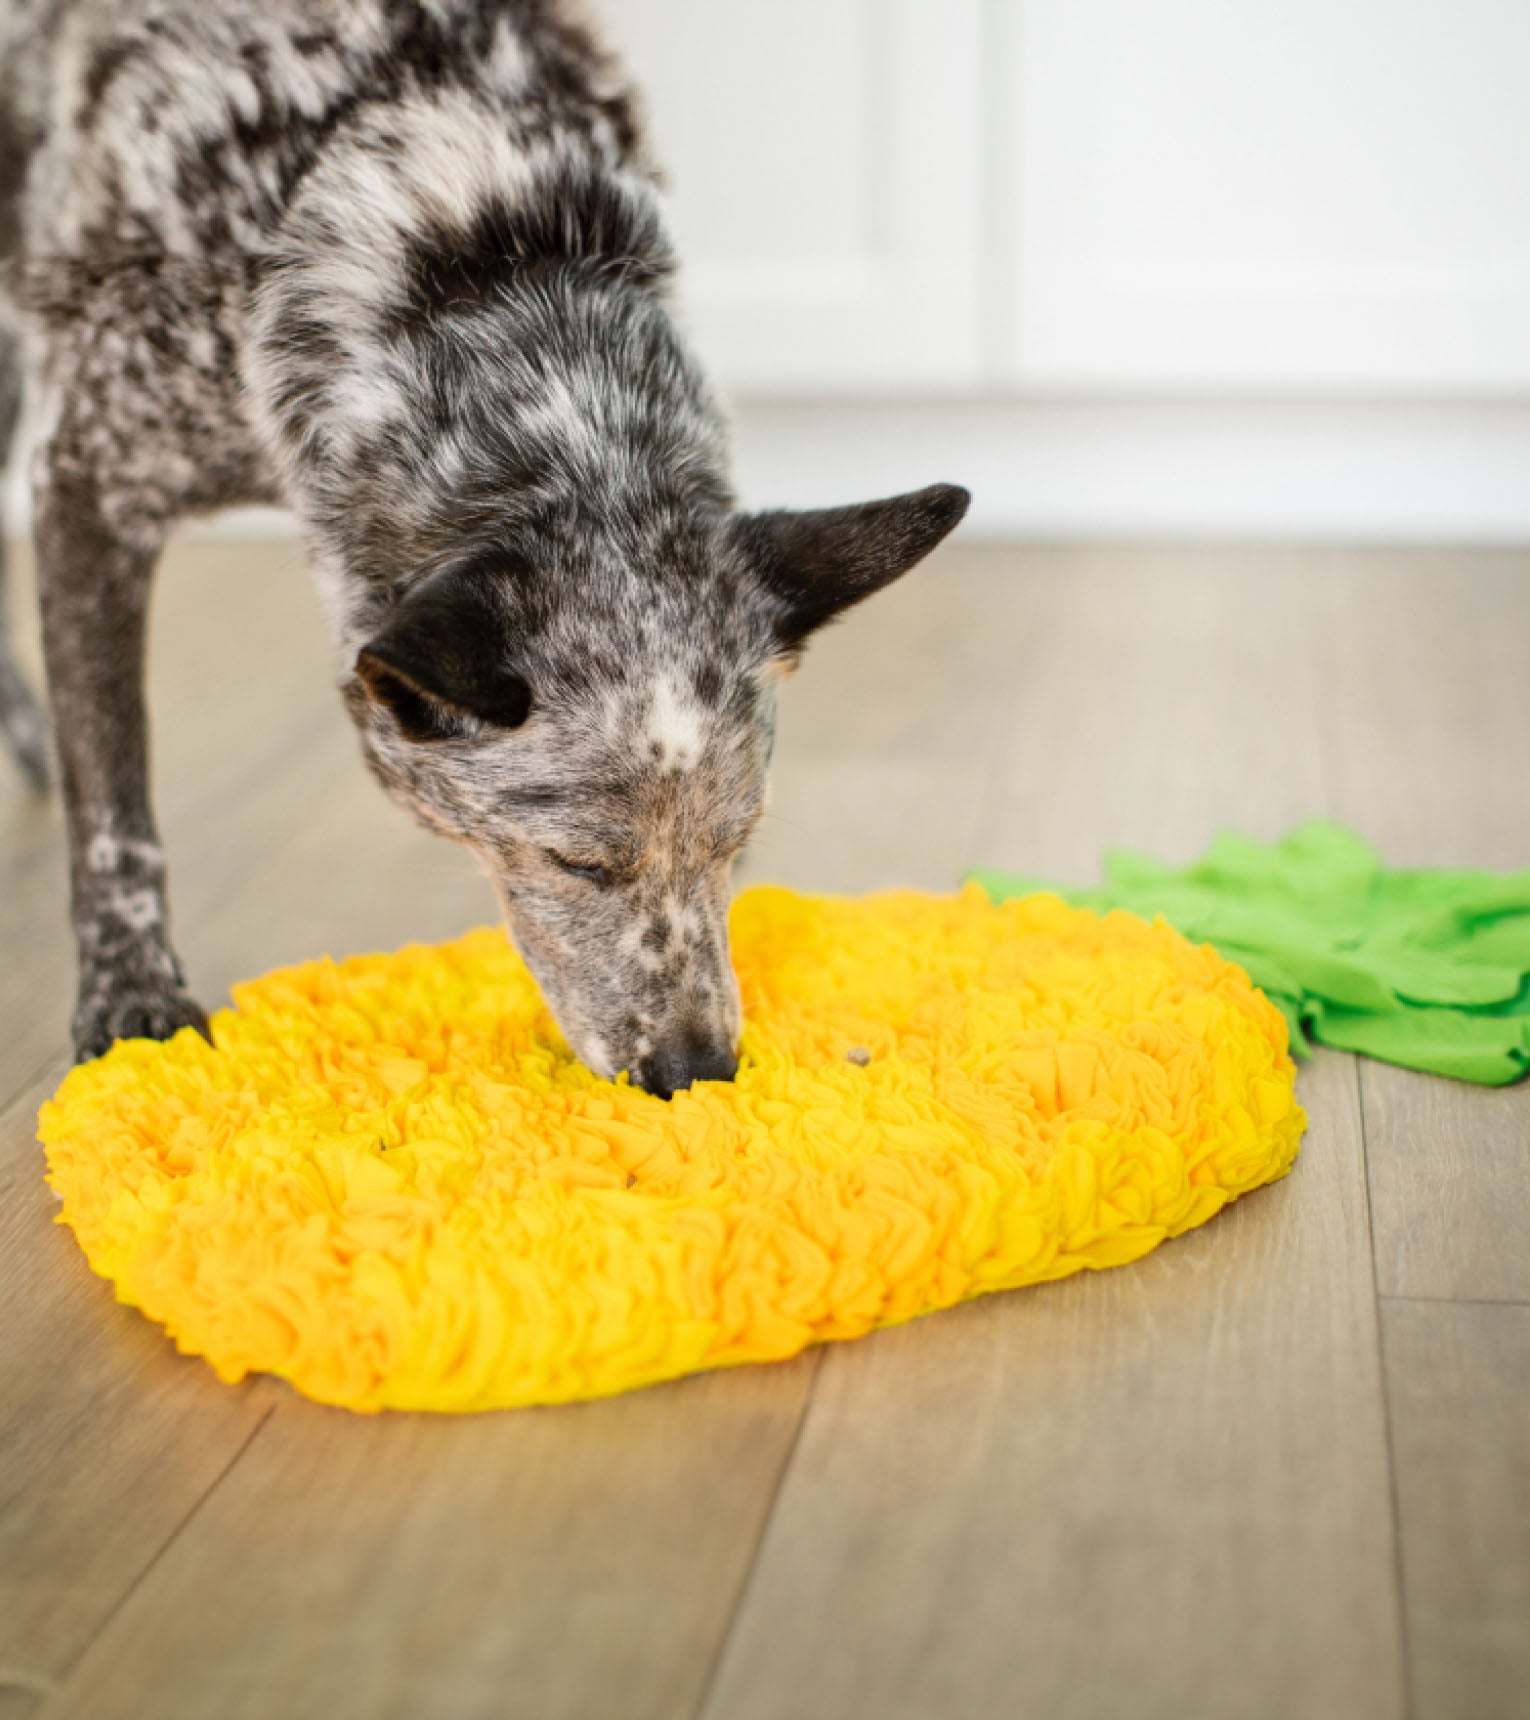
<point>823,158</point>
<point>1291,195</point>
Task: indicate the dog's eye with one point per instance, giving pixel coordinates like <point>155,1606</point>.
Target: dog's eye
<point>592,874</point>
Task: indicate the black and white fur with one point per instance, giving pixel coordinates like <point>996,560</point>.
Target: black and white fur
<point>401,266</point>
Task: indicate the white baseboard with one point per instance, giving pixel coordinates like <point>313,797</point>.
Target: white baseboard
<point>1387,474</point>
<point>1097,471</point>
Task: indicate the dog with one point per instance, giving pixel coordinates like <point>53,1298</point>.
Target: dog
<point>401,266</point>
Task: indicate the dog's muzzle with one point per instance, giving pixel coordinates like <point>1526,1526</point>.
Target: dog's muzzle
<point>693,1057</point>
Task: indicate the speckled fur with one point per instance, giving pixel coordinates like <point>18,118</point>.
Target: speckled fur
<point>401,266</point>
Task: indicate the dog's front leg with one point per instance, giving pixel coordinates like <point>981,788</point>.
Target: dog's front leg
<point>94,587</point>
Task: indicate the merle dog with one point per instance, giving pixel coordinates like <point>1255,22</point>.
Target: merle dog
<point>401,266</point>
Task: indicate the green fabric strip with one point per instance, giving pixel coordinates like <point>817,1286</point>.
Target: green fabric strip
<point>1427,969</point>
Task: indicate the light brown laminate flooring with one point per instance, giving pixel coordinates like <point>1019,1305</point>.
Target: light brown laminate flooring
<point>1279,1470</point>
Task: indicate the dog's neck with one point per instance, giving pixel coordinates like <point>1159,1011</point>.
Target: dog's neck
<point>459,341</point>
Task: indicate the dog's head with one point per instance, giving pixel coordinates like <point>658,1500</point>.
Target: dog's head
<point>599,731</point>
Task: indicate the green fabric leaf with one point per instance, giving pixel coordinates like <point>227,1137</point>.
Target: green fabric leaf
<point>1427,969</point>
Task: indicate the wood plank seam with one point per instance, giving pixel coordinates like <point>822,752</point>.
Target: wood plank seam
<point>1399,1557</point>
<point>159,1553</point>
<point>9,1101</point>
<point>991,773</point>
<point>1459,1301</point>
<point>725,1636</point>
<point>12,1103</point>
<point>33,1684</point>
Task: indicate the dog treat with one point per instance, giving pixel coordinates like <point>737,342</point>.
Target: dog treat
<point>391,1184</point>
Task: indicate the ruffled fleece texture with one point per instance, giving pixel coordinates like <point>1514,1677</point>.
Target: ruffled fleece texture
<point>392,1185</point>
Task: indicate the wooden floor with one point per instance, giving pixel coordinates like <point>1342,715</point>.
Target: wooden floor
<point>1279,1469</point>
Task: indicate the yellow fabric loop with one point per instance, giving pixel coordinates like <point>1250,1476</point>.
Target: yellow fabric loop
<point>391,1184</point>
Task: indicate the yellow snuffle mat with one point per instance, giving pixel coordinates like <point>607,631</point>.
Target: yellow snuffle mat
<point>391,1184</point>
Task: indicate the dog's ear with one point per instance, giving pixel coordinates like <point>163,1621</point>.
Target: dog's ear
<point>819,564</point>
<point>440,662</point>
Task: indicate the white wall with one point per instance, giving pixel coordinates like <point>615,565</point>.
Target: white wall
<point>1255,267</point>
<point>1127,267</point>
<point>1304,198</point>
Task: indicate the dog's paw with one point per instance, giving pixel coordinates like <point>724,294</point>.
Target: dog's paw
<point>145,1009</point>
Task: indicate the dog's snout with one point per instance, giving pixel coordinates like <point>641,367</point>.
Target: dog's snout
<point>692,1058</point>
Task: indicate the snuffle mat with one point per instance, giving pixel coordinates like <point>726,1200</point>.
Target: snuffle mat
<point>392,1185</point>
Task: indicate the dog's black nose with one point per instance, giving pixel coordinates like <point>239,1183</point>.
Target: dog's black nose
<point>674,1067</point>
